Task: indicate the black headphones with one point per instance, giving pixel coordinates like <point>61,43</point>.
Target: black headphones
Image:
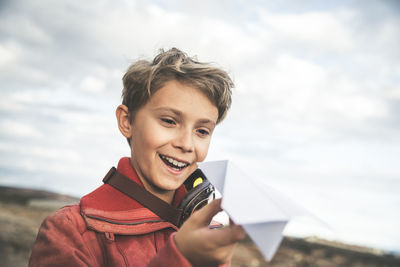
<point>200,192</point>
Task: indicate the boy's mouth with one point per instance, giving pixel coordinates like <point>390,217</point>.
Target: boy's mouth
<point>173,163</point>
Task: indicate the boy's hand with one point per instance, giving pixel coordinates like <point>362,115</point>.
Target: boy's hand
<point>203,246</point>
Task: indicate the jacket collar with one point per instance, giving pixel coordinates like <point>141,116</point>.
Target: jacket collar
<point>108,210</point>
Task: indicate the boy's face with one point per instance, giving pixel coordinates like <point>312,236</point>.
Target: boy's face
<point>170,134</point>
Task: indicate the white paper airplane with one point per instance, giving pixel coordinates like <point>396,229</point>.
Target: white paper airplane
<point>261,210</point>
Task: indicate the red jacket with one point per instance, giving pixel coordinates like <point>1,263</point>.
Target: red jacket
<point>107,228</point>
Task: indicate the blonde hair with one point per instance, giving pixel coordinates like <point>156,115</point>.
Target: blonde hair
<point>144,78</point>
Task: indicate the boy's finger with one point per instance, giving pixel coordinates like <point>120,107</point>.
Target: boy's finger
<point>228,235</point>
<point>205,214</point>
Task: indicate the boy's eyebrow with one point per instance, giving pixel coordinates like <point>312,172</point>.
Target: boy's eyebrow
<point>207,121</point>
<point>178,113</point>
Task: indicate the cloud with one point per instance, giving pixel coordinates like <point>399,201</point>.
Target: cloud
<point>93,84</point>
<point>7,56</point>
<point>300,73</point>
<point>321,30</point>
<point>13,128</point>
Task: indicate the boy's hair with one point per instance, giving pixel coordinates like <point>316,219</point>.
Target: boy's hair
<point>144,78</point>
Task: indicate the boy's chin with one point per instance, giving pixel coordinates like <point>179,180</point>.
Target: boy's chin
<point>163,188</point>
<point>190,169</point>
<point>171,182</point>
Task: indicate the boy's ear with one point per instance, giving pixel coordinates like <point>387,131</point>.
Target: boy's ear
<point>123,118</point>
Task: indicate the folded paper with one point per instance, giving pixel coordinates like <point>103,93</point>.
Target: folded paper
<point>261,210</point>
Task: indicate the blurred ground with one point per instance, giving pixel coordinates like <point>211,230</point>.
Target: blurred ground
<point>21,213</point>
<point>23,210</point>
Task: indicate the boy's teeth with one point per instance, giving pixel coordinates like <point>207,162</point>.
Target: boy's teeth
<point>174,162</point>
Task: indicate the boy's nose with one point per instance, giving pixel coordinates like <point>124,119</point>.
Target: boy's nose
<point>184,141</point>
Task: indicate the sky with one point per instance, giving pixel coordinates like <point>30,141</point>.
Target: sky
<point>315,114</point>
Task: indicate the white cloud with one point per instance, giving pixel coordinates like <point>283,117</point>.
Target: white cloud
<point>20,129</point>
<point>42,153</point>
<point>27,30</point>
<point>7,56</point>
<point>93,84</point>
<point>357,108</point>
<point>321,30</point>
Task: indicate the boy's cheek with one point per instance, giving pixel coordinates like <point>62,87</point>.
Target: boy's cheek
<point>190,170</point>
<point>202,154</point>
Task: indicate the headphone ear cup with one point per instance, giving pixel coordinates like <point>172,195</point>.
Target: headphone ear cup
<point>196,199</point>
<point>197,195</point>
<point>192,193</point>
<point>195,179</point>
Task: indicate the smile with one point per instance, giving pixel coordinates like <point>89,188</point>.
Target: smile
<point>173,163</point>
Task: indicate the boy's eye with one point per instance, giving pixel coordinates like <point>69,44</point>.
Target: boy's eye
<point>203,132</point>
<point>168,121</point>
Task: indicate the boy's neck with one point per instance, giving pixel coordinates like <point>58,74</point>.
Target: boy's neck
<point>166,196</point>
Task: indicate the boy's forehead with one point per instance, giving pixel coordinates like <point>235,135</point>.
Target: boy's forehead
<point>174,96</point>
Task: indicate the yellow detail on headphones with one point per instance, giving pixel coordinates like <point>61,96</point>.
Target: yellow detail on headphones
<point>198,181</point>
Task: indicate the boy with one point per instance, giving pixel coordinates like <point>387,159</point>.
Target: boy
<point>169,110</point>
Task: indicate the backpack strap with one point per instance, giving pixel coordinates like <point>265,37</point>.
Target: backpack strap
<point>144,197</point>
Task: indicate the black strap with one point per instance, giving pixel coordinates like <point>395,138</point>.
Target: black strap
<point>144,197</point>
